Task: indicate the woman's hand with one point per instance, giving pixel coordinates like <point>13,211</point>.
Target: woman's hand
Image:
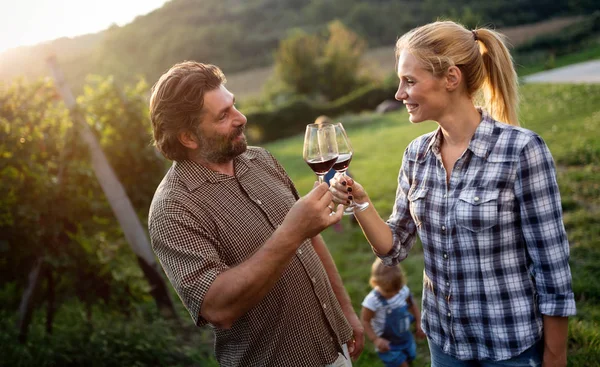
<point>345,189</point>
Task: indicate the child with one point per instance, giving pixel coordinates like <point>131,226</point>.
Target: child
<point>388,310</point>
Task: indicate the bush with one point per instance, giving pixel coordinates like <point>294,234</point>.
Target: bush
<point>291,118</point>
<point>110,340</point>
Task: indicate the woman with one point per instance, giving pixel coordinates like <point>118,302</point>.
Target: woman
<point>481,193</point>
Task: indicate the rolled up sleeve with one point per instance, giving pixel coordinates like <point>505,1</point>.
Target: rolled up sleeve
<point>188,255</point>
<point>543,229</point>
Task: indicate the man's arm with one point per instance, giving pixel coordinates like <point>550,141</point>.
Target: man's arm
<point>235,291</point>
<point>355,346</point>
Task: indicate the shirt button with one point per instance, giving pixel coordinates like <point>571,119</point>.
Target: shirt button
<point>449,314</point>
<point>325,305</point>
<point>258,202</point>
<point>476,198</point>
<point>444,228</point>
<point>313,280</point>
<point>445,196</point>
<point>299,251</point>
<point>330,338</point>
<point>448,284</point>
<point>445,255</point>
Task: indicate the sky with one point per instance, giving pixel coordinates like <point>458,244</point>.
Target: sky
<point>27,22</point>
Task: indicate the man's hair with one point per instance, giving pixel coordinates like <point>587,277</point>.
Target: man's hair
<point>387,278</point>
<point>176,104</point>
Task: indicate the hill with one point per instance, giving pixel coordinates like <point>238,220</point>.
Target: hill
<point>242,34</point>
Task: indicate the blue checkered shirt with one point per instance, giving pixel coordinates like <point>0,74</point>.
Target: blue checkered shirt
<point>496,251</point>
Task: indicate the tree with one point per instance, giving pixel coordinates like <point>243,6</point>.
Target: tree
<point>321,65</point>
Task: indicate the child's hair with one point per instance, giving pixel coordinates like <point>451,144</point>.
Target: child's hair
<point>387,278</point>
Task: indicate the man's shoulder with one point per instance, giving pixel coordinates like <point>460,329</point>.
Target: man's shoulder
<point>168,197</point>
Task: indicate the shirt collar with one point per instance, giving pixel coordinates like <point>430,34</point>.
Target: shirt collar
<point>480,142</point>
<point>193,174</point>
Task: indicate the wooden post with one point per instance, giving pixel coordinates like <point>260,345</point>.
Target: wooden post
<point>135,233</point>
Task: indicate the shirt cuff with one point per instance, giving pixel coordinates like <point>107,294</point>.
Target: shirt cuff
<point>557,304</point>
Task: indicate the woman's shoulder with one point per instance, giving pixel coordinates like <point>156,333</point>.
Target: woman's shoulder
<point>509,141</point>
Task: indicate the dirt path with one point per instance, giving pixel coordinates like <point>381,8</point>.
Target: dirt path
<point>585,72</point>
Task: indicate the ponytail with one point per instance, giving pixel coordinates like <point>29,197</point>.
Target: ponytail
<point>500,87</point>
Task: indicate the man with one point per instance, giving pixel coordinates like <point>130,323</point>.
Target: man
<point>241,249</point>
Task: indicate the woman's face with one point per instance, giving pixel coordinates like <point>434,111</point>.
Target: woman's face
<point>423,94</point>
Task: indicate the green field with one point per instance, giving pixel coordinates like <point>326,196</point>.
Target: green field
<point>566,116</point>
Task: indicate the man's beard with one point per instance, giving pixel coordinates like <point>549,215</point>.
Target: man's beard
<point>220,149</point>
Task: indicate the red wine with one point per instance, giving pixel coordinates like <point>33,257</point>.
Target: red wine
<point>342,162</point>
<point>321,166</point>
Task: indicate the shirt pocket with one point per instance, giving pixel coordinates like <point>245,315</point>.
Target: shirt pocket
<point>416,199</point>
<point>477,209</point>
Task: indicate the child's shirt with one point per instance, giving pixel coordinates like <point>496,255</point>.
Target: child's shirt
<point>373,303</point>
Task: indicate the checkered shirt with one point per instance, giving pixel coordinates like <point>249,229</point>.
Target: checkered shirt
<point>496,252</point>
<point>202,223</point>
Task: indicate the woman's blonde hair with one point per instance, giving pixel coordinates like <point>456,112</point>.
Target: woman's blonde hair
<point>387,278</point>
<point>481,55</point>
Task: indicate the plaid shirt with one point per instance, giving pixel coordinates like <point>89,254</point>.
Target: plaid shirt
<point>496,252</point>
<point>202,223</point>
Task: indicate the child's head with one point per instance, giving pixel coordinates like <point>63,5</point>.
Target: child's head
<point>389,279</point>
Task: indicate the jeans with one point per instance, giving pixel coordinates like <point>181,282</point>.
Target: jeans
<point>531,357</point>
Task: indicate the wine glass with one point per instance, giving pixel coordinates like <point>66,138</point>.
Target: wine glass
<point>320,148</point>
<point>342,163</point>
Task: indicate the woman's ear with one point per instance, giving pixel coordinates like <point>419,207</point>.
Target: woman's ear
<point>453,78</point>
<point>188,140</point>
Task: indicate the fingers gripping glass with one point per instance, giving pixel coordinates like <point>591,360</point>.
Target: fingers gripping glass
<point>342,163</point>
<point>320,148</point>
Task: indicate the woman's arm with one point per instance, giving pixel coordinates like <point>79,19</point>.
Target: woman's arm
<point>556,330</point>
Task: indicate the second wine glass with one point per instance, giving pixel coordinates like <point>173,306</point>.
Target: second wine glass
<point>342,163</point>
<point>320,148</point>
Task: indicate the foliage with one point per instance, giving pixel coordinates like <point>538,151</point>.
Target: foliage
<point>291,118</point>
<point>320,65</point>
<point>107,339</point>
<point>240,35</point>
<point>53,208</point>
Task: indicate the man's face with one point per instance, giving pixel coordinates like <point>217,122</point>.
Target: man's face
<point>220,134</point>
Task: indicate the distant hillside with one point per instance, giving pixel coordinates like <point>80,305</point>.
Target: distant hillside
<point>243,34</point>
<point>380,61</point>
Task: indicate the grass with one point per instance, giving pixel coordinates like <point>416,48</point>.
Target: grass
<point>588,54</point>
<point>566,116</point>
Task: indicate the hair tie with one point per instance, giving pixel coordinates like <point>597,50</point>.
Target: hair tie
<point>475,35</point>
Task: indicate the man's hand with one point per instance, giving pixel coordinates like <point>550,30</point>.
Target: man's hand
<point>382,345</point>
<point>356,345</point>
<point>310,215</point>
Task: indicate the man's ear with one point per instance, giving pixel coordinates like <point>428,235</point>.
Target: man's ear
<point>188,140</point>
<point>453,78</point>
